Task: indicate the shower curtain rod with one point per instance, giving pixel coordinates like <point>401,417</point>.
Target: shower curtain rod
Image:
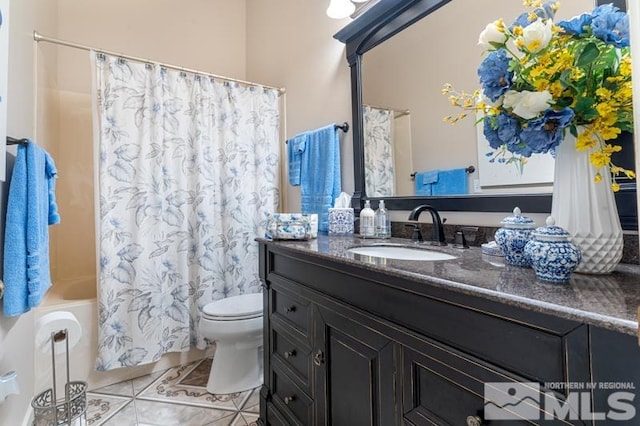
<point>398,112</point>
<point>39,37</point>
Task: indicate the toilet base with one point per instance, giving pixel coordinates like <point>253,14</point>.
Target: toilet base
<point>235,369</point>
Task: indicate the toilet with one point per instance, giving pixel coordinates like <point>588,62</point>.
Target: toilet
<point>235,323</point>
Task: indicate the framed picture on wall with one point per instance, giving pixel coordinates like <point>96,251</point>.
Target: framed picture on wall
<point>4,66</point>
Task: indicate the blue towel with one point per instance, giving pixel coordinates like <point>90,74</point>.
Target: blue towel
<point>424,182</point>
<point>31,209</point>
<point>320,173</point>
<point>295,148</point>
<point>451,182</point>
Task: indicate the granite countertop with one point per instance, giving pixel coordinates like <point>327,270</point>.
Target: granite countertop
<point>608,301</point>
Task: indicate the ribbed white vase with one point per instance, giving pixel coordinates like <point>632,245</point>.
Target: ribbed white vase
<point>586,209</point>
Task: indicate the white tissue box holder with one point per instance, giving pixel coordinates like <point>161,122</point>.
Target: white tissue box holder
<point>341,221</point>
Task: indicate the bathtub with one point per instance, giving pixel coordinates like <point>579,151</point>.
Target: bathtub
<point>78,296</point>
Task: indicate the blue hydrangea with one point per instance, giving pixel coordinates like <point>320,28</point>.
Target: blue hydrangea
<point>503,129</point>
<point>494,74</point>
<point>576,25</point>
<point>611,25</point>
<point>545,133</point>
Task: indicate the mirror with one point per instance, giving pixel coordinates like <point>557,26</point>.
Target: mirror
<point>400,58</point>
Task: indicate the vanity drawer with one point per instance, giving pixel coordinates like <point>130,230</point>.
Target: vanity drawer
<point>291,353</point>
<point>290,399</point>
<point>290,308</point>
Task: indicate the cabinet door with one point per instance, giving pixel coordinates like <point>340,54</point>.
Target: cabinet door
<point>355,370</point>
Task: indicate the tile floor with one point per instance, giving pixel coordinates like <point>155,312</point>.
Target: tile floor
<point>175,397</point>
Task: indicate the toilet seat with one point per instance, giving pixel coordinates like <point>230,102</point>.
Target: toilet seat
<point>235,308</point>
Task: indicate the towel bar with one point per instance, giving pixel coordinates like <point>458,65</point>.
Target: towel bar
<point>14,141</point>
<point>344,127</point>
<point>469,170</point>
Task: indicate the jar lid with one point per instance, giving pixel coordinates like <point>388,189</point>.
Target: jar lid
<point>551,232</point>
<point>517,220</point>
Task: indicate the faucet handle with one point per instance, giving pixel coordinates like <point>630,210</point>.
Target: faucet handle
<point>416,235</point>
<point>460,241</point>
<point>470,233</point>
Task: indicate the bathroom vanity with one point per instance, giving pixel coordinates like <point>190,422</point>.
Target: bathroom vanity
<point>359,340</point>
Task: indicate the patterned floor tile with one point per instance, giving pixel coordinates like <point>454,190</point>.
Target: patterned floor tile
<point>252,404</point>
<point>167,414</point>
<point>169,389</point>
<point>250,418</point>
<point>199,376</point>
<point>141,383</point>
<point>101,407</point>
<point>177,396</point>
<point>123,389</point>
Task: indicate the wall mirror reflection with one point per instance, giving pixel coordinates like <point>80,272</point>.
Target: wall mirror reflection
<point>402,58</point>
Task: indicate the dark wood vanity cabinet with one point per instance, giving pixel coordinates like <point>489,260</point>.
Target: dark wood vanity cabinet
<point>347,345</point>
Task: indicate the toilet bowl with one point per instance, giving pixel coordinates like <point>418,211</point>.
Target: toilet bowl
<point>235,323</point>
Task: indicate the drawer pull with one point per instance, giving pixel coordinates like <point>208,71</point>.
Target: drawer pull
<point>289,399</point>
<point>318,358</point>
<point>290,309</point>
<point>290,354</point>
<point>474,421</point>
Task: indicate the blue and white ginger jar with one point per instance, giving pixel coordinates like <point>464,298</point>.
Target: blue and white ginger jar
<point>513,237</point>
<point>553,257</point>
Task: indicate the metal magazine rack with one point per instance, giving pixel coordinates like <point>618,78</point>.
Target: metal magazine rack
<point>71,410</point>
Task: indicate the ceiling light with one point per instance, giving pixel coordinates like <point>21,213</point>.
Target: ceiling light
<point>339,9</point>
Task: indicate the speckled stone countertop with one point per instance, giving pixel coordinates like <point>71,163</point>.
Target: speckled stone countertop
<point>607,301</point>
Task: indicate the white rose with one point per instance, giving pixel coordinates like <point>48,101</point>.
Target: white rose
<point>491,34</point>
<point>537,35</point>
<point>527,104</point>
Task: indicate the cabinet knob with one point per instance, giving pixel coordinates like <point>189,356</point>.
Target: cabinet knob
<point>318,358</point>
<point>290,354</point>
<point>290,309</point>
<point>289,399</point>
<point>474,421</point>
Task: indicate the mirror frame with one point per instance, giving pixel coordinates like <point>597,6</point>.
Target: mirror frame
<point>382,21</point>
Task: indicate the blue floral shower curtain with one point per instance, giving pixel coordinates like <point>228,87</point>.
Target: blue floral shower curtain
<point>187,171</point>
<point>378,152</point>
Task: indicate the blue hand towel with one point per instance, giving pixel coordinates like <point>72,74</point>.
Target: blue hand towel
<point>424,182</point>
<point>31,209</point>
<point>295,148</point>
<point>320,173</point>
<point>451,182</point>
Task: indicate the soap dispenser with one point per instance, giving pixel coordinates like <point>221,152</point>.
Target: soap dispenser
<point>367,221</point>
<point>383,221</point>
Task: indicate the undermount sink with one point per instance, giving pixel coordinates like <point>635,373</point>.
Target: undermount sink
<point>400,252</point>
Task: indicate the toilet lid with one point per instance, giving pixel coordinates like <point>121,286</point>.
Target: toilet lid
<point>245,306</point>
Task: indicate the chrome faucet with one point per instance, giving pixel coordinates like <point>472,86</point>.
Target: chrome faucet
<point>438,230</point>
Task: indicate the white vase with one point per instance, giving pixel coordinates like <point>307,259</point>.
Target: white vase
<point>586,209</point>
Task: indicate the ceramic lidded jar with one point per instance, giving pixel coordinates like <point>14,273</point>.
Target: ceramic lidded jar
<point>553,257</point>
<point>513,236</point>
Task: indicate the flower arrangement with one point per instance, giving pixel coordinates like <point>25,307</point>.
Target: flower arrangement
<point>540,79</point>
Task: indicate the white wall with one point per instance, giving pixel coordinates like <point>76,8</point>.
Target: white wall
<point>290,44</point>
<point>16,334</point>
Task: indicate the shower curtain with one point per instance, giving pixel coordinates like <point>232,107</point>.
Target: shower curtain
<point>187,170</point>
<point>378,152</point>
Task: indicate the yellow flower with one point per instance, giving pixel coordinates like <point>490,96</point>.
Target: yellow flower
<point>517,31</point>
<point>615,187</point>
<point>599,159</point>
<point>630,174</point>
<point>605,108</point>
<point>585,141</point>
<point>608,133</point>
<point>597,178</point>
